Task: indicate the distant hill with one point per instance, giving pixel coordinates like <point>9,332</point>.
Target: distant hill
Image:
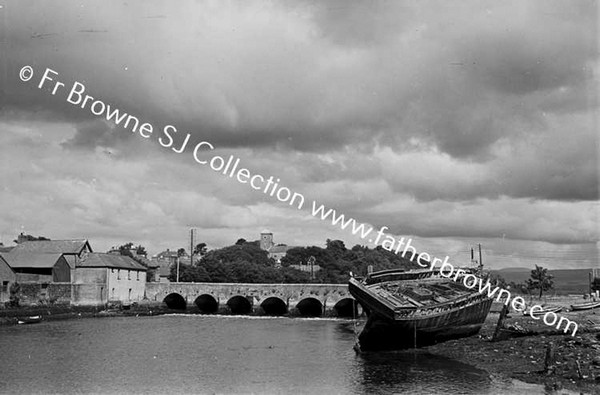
<point>566,281</point>
<point>514,269</point>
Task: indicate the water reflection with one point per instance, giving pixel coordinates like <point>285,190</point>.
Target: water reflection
<point>418,372</point>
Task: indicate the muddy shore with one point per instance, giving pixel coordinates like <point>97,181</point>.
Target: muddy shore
<point>11,316</point>
<point>573,362</point>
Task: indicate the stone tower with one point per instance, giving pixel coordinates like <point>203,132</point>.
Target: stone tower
<point>266,240</point>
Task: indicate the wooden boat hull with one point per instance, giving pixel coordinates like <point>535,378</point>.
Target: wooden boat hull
<point>391,327</point>
<point>585,306</point>
<point>381,333</point>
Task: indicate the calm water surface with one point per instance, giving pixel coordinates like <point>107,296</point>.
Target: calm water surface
<point>217,354</point>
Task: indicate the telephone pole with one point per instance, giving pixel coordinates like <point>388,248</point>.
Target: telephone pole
<point>192,246</point>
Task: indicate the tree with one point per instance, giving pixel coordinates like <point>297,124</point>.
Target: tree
<point>240,242</point>
<point>181,252</point>
<point>140,253</point>
<point>247,262</point>
<point>22,237</point>
<point>540,279</point>
<point>335,245</point>
<point>141,250</point>
<point>200,249</point>
<point>189,273</point>
<point>15,295</point>
<point>125,249</point>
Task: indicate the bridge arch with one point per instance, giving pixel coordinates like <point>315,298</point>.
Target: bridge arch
<point>207,304</point>
<point>175,301</point>
<point>239,305</point>
<point>310,307</point>
<point>346,308</point>
<point>274,306</point>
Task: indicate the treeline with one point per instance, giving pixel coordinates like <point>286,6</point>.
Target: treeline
<point>246,262</point>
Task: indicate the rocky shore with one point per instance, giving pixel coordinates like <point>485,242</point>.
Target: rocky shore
<point>540,355</point>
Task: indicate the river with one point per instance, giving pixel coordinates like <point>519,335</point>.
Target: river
<point>222,354</point>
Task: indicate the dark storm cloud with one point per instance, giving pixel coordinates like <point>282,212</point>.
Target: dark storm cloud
<point>491,86</point>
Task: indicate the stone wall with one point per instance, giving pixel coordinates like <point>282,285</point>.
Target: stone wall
<point>327,294</point>
<point>95,294</point>
<point>59,293</point>
<point>30,293</point>
<point>88,294</point>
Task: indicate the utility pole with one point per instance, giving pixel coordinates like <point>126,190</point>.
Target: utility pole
<point>191,246</point>
<point>311,262</point>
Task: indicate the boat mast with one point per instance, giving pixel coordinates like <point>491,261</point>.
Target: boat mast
<point>480,260</point>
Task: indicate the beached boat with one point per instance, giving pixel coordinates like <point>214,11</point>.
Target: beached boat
<point>585,306</point>
<point>409,309</point>
<point>545,309</point>
<point>30,320</point>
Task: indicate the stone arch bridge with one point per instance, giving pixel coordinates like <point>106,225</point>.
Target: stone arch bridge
<point>268,299</point>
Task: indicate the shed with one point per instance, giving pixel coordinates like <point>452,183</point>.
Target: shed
<point>36,267</point>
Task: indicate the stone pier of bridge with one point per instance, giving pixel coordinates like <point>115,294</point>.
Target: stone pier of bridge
<point>273,299</point>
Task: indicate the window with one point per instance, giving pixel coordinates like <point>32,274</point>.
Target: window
<point>112,270</point>
<point>129,274</point>
<point>118,274</point>
<point>138,275</point>
<point>4,286</point>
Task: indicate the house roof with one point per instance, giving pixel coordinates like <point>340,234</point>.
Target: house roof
<point>71,260</point>
<point>166,254</point>
<point>27,260</point>
<point>3,262</point>
<point>279,249</point>
<point>53,246</point>
<point>110,260</point>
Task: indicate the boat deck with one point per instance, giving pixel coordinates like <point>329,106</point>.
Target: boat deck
<point>412,294</point>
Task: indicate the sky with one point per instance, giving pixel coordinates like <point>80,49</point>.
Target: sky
<point>452,123</point>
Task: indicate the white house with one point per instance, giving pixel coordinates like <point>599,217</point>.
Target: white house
<point>110,278</point>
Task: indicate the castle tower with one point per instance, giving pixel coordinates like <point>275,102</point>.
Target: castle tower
<point>266,240</point>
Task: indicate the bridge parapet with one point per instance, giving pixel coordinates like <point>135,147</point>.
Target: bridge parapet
<point>291,294</point>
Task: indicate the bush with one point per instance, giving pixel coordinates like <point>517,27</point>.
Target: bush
<point>15,298</point>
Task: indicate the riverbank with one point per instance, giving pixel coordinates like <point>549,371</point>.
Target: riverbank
<point>573,362</point>
<point>12,316</point>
